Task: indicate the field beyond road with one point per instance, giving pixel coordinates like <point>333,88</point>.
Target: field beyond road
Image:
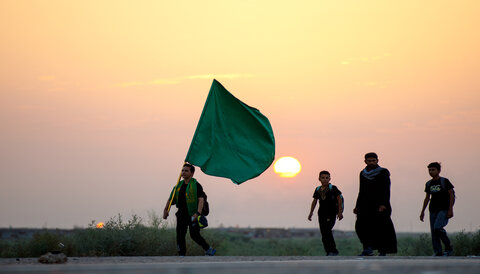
<point>245,264</point>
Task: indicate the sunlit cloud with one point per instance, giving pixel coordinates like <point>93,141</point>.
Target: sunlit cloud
<point>375,84</point>
<point>219,76</point>
<point>365,59</point>
<point>149,83</point>
<point>52,83</point>
<point>46,78</point>
<point>29,107</point>
<point>177,80</point>
<point>460,122</point>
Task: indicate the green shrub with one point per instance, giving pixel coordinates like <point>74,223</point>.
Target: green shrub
<point>466,243</point>
<point>133,238</point>
<point>415,245</point>
<point>119,238</point>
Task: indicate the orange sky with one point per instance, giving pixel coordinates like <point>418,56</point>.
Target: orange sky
<point>99,101</point>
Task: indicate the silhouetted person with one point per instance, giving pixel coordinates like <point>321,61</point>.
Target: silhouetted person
<point>330,208</point>
<point>189,198</point>
<point>374,226</point>
<point>441,208</point>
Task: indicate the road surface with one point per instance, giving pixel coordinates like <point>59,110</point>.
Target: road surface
<point>249,265</point>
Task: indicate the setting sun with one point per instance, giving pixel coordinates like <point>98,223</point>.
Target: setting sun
<point>100,225</point>
<point>287,167</point>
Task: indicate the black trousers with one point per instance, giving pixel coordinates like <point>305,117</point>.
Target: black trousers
<point>376,231</point>
<point>184,222</point>
<point>326,226</point>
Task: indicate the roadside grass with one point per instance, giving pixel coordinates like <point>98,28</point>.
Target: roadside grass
<point>134,237</point>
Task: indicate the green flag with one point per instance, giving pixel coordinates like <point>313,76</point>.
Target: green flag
<point>232,139</point>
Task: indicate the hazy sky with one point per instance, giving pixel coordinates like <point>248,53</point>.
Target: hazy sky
<point>99,101</point>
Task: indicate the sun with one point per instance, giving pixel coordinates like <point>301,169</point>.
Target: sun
<point>287,167</point>
<point>100,225</point>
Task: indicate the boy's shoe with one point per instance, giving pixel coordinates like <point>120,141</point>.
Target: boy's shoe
<point>448,252</point>
<point>438,254</point>
<point>332,254</point>
<point>366,252</point>
<point>210,252</point>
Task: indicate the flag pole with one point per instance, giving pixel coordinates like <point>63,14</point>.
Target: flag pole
<point>175,189</point>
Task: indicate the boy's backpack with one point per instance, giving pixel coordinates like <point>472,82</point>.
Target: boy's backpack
<point>206,207</point>
<point>336,201</point>
<point>443,185</point>
<point>330,187</point>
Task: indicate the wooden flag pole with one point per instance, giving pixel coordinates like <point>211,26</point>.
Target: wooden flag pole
<point>175,189</point>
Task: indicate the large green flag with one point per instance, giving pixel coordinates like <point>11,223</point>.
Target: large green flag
<point>232,139</point>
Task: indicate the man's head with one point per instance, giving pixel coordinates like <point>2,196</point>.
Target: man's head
<point>434,169</point>
<point>187,171</point>
<point>371,159</point>
<point>324,177</point>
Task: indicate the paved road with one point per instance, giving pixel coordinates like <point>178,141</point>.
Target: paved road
<point>249,265</point>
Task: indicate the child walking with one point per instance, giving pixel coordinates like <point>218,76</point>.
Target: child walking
<point>440,194</point>
<point>330,208</point>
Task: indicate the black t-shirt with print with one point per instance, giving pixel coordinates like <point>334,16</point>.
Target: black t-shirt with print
<point>182,197</point>
<point>328,205</point>
<point>440,199</point>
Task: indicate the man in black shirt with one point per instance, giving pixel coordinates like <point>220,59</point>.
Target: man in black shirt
<point>189,198</point>
<point>374,227</point>
<point>440,194</point>
<point>331,207</point>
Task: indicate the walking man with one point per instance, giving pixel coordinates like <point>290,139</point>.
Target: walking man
<point>374,226</point>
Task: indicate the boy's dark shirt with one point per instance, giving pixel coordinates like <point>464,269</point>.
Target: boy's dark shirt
<point>440,199</point>
<point>182,198</point>
<point>329,206</point>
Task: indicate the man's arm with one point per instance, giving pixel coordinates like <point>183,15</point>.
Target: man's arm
<point>425,203</point>
<point>384,197</point>
<point>166,210</point>
<point>452,201</point>
<point>201,200</point>
<point>312,208</point>
<point>340,207</point>
<point>355,210</point>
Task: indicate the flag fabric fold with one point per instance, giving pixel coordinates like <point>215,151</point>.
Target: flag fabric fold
<point>232,139</point>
